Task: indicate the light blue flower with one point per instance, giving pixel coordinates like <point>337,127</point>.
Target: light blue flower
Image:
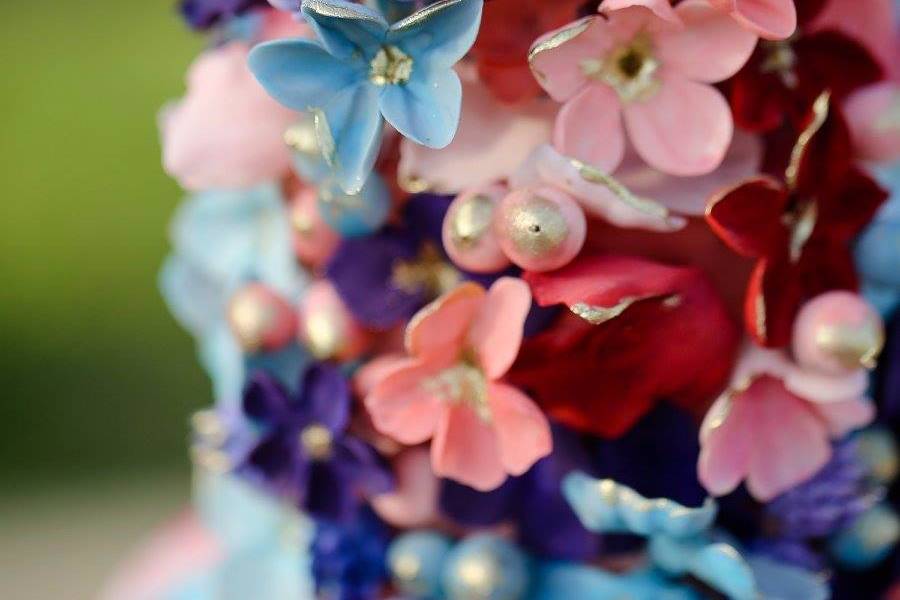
<point>878,248</point>
<point>221,241</point>
<point>364,71</point>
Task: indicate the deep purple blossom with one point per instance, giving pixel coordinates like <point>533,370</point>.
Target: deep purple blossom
<point>545,522</point>
<point>304,451</point>
<point>205,14</point>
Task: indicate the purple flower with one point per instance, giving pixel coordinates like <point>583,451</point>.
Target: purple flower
<point>205,14</point>
<point>836,495</point>
<point>545,522</point>
<point>348,558</point>
<point>304,451</point>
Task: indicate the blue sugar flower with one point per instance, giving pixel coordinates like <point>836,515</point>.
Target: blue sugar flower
<point>349,558</point>
<point>364,71</point>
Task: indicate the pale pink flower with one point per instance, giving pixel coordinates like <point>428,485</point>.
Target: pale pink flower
<point>650,72</point>
<point>447,390</point>
<point>771,19</point>
<point>226,132</point>
<point>773,427</point>
<point>873,114</point>
<point>414,500</point>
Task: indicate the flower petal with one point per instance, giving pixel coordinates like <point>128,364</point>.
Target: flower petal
<point>426,109</point>
<point>496,332</point>
<point>345,27</point>
<point>466,449</point>
<point>439,35</point>
<point>555,57</point>
<point>265,399</point>
<point>843,417</point>
<point>589,128</point>
<point>325,397</point>
<point>439,329</point>
<point>414,501</point>
<point>771,19</point>
<point>401,406</point>
<point>523,432</point>
<point>710,48</point>
<point>748,217</point>
<point>683,129</point>
<point>660,8</point>
<point>870,113</point>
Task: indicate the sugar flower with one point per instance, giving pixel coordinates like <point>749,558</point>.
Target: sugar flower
<point>348,558</point>
<point>363,71</point>
<point>637,66</point>
<point>771,19</point>
<point>605,365</point>
<point>460,346</point>
<point>799,230</point>
<point>773,426</point>
<point>304,451</point>
<point>204,14</point>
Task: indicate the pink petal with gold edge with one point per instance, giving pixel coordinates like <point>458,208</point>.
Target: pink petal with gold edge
<point>496,332</point>
<point>465,448</point>
<point>547,166</point>
<point>710,48</point>
<point>873,115</point>
<point>660,8</point>
<point>413,503</point>
<point>684,129</point>
<point>589,128</point>
<point>523,431</point>
<point>771,19</point>
<point>689,195</point>
<point>555,57</point>
<point>402,407</point>
<point>439,329</point>
<point>491,142</point>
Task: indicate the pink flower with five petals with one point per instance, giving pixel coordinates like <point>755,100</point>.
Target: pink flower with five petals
<point>448,391</point>
<point>771,19</point>
<point>652,69</point>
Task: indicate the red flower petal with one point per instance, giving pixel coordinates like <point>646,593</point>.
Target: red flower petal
<point>748,217</point>
<point>660,332</point>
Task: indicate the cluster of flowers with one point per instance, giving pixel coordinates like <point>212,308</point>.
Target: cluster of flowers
<point>540,299</point>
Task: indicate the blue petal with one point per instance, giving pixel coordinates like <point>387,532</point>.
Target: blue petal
<point>564,581</point>
<point>606,506</point>
<point>349,129</point>
<point>301,74</point>
<point>426,108</point>
<point>719,565</point>
<point>346,29</point>
<point>782,582</point>
<point>439,35</point>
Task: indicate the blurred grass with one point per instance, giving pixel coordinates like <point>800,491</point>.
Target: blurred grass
<point>96,377</point>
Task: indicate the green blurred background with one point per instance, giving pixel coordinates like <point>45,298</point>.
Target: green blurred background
<point>98,381</point>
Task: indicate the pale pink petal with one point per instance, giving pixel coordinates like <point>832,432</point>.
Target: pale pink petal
<point>843,417</point>
<point>725,446</point>
<point>710,48</point>
<point>660,8</point>
<point>523,431</point>
<point>413,502</point>
<point>684,129</point>
<point>771,19</point>
<point>589,128</point>
<point>822,388</point>
<point>496,332</point>
<point>689,195</point>
<point>278,24</point>
<point>873,114</point>
<point>556,57</point>
<point>547,166</point>
<point>403,407</point>
<point>226,132</point>
<point>439,329</point>
<point>491,142</point>
<point>374,371</point>
<point>465,449</point>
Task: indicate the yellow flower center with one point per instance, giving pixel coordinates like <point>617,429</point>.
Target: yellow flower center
<point>462,383</point>
<point>629,69</point>
<point>428,271</point>
<point>391,66</point>
<point>317,441</point>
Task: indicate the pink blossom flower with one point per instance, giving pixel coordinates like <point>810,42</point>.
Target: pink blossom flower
<point>226,132</point>
<point>448,391</point>
<point>873,115</point>
<point>635,66</point>
<point>773,427</point>
<point>771,19</point>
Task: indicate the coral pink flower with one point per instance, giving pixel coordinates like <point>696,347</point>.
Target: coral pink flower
<point>651,72</point>
<point>771,19</point>
<point>227,132</point>
<point>773,427</point>
<point>448,390</point>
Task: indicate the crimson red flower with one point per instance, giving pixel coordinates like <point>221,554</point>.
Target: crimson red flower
<point>783,78</point>
<point>508,28</point>
<point>799,229</point>
<point>639,331</point>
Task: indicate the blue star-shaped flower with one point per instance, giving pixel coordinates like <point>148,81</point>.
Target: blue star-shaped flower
<point>363,71</point>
